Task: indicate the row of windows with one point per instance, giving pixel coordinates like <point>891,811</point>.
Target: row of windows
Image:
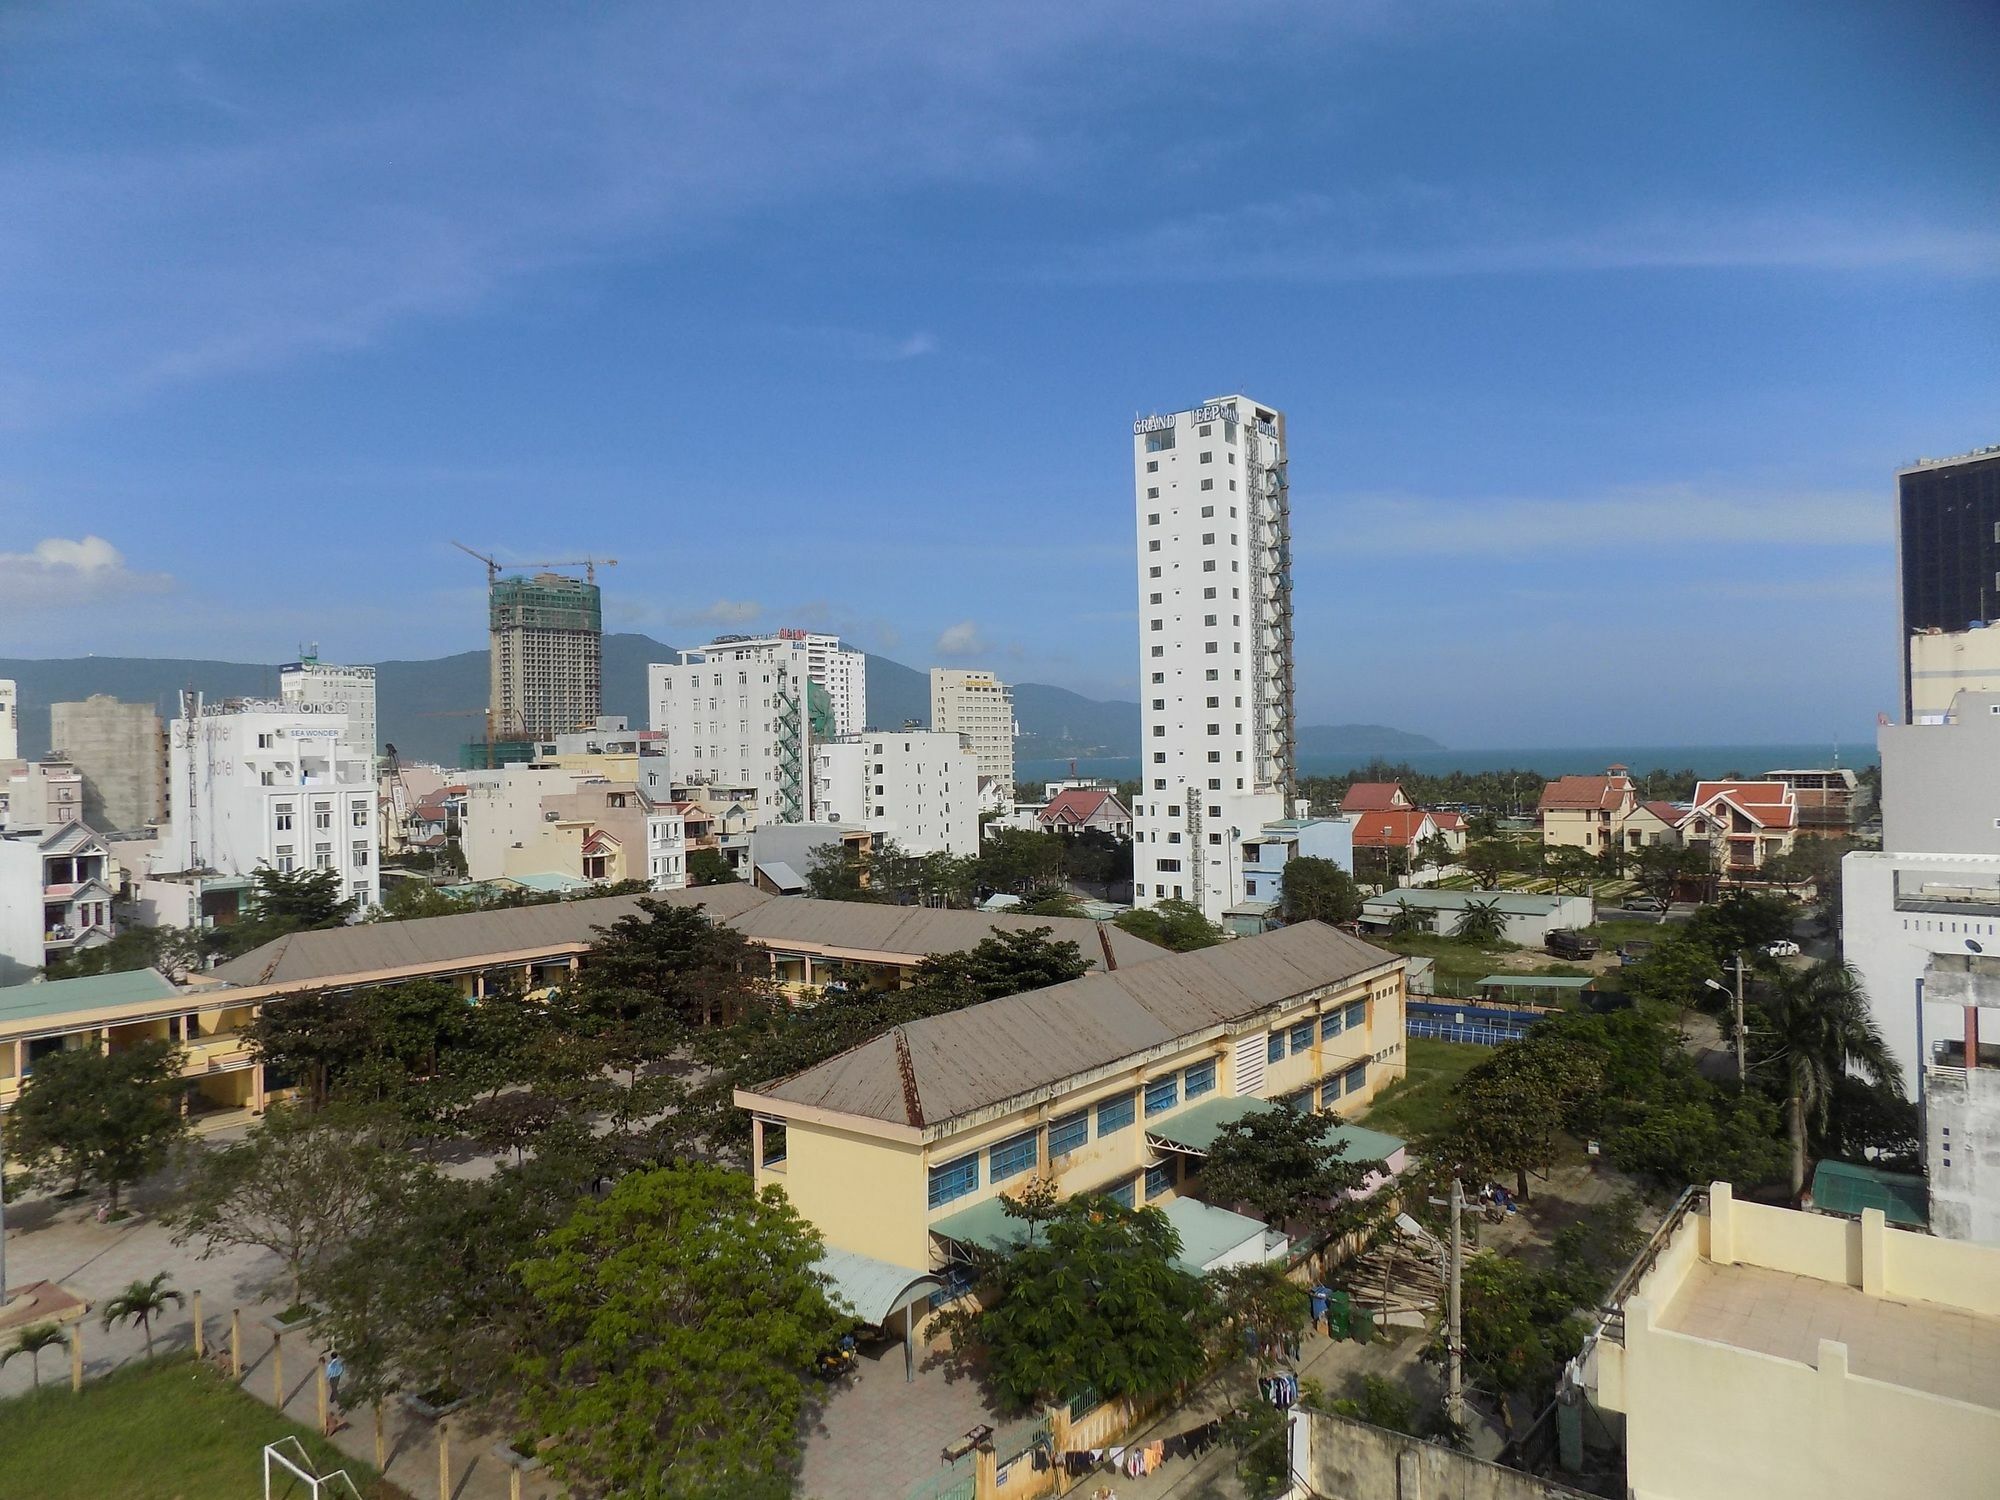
<point>1298,1037</point>
<point>1020,1153</point>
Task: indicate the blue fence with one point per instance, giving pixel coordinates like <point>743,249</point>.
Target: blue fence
<point>1462,1021</point>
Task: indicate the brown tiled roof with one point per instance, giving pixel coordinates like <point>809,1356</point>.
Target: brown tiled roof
<point>1389,830</point>
<point>1584,793</point>
<point>942,1067</point>
<point>1372,796</point>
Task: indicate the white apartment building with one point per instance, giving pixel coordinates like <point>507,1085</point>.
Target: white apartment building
<point>739,714</point>
<point>1215,646</point>
<point>319,687</point>
<point>920,788</point>
<point>254,782</point>
<point>981,707</point>
<point>10,720</point>
<point>56,888</point>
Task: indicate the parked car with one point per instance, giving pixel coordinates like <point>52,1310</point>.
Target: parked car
<point>1643,903</point>
<point>1565,942</point>
<point>1783,948</point>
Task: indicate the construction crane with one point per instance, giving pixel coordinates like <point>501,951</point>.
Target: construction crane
<point>494,565</point>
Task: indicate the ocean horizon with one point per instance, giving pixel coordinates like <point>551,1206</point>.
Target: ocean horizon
<point>1575,760</point>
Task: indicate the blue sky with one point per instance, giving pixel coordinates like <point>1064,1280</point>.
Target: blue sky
<point>1601,328</point>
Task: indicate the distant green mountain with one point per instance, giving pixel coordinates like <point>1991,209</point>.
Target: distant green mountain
<point>429,709</point>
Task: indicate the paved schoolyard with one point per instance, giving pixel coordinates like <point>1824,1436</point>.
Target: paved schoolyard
<point>875,1436</point>
<point>47,1240</point>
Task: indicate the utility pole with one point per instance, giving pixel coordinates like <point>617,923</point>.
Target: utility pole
<point>1454,1401</point>
<point>1741,1067</point>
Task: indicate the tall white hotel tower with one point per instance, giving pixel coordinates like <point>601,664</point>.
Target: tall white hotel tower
<point>1215,646</point>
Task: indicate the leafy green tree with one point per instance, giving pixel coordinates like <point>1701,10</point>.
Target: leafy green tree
<point>1288,1168</point>
<point>1675,972</point>
<point>1097,1303</point>
<point>1742,922</point>
<point>1568,866</point>
<point>1509,1111</point>
<point>141,1302</point>
<point>839,872</point>
<point>1055,904</point>
<point>1487,860</point>
<point>708,867</point>
<point>1021,862</point>
<point>31,1341</point>
<point>109,1118</point>
<point>310,1040</point>
<point>283,902</point>
<point>298,1185</point>
<point>1318,890</point>
<point>1177,926</point>
<point>1820,1028</point>
<point>1411,921</point>
<point>1433,853</point>
<point>1097,859</point>
<point>676,1324</point>
<point>1480,922</point>
<point>1659,869</point>
<point>1009,962</point>
<point>1259,1296</point>
<point>674,966</point>
<point>174,951</point>
<point>408,900</point>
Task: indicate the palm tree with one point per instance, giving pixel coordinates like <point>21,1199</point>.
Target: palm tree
<point>1822,1028</point>
<point>1409,920</point>
<point>143,1301</point>
<point>31,1341</point>
<point>1480,922</point>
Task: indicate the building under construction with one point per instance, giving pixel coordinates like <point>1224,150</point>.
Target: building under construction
<point>547,656</point>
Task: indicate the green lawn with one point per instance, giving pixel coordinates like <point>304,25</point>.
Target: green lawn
<point>170,1430</point>
<point>1416,1103</point>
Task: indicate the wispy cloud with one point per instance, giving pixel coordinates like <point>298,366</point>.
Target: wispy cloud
<point>60,573</point>
<point>1680,515</point>
<point>961,640</point>
<point>723,612</point>
<point>1436,230</point>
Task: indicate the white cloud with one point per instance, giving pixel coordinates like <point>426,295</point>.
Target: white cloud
<point>727,612</point>
<point>60,572</point>
<point>962,639</point>
<point>1429,229</point>
<point>1683,516</point>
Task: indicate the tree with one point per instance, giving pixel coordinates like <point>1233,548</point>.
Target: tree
<point>1567,865</point>
<point>708,867</point>
<point>1177,926</point>
<point>1821,1028</point>
<point>31,1341</point>
<point>99,1117</point>
<point>1096,1304</point>
<point>298,1185</point>
<point>676,1322</point>
<point>287,901</point>
<point>141,1302</point>
<point>1285,1166</point>
<point>1055,904</point>
<point>1433,852</point>
<point>1742,922</point>
<point>1258,1296</point>
<point>1318,890</point>
<point>1675,972</point>
<point>1660,869</point>
<point>1007,963</point>
<point>1410,921</point>
<point>839,872</point>
<point>1487,860</point>
<point>668,968</point>
<point>1509,1110</point>
<point>1480,922</point>
<point>1022,862</point>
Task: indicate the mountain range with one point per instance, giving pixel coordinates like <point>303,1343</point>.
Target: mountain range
<point>429,709</point>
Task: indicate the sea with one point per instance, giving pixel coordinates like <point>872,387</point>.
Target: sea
<point>1703,760</point>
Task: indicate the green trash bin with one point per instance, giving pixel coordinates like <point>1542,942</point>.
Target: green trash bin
<point>1363,1326</point>
<point>1339,1311</point>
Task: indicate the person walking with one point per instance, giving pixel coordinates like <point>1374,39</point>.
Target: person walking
<point>335,1368</point>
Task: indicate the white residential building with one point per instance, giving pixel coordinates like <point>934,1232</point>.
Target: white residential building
<point>919,788</point>
<point>254,782</point>
<point>320,687</point>
<point>10,720</point>
<point>1215,646</point>
<point>740,714</point>
<point>843,672</point>
<point>979,706</point>
<point>56,887</point>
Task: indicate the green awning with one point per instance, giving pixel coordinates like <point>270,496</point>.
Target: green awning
<point>1364,1144</point>
<point>1845,1187</point>
<point>1212,1236</point>
<point>985,1225</point>
<point>1196,1129</point>
<point>873,1289</point>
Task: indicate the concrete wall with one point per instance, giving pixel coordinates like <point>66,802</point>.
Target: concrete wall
<point>1943,665</point>
<point>1890,939</point>
<point>503,808</point>
<point>1941,781</point>
<point>1349,1460</point>
<point>1709,1420</point>
<point>121,750</point>
<point>20,909</point>
<point>1962,1152</point>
